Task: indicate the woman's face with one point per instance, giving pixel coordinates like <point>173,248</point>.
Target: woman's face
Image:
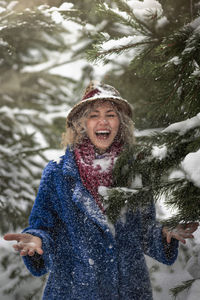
<point>102,125</point>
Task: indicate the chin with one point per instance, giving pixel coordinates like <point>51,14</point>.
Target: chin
<point>101,148</point>
<point>102,144</point>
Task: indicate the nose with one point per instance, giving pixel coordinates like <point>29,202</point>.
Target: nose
<point>103,120</point>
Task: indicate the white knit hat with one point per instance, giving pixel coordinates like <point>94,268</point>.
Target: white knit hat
<point>99,91</point>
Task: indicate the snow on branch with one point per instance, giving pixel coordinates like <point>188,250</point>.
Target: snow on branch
<point>146,10</point>
<point>124,43</point>
<point>184,126</point>
<point>117,46</point>
<point>191,166</point>
<point>139,15</point>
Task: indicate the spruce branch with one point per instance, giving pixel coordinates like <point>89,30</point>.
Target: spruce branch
<point>180,194</point>
<point>98,54</point>
<point>125,17</point>
<point>176,86</point>
<point>141,26</point>
<point>141,57</point>
<point>185,285</point>
<point>122,48</point>
<point>103,9</point>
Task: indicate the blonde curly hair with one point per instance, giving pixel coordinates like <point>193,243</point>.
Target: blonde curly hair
<point>76,132</point>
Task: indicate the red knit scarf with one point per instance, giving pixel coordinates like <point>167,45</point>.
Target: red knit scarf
<point>95,169</point>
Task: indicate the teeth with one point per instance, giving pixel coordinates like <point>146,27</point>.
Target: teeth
<point>102,131</point>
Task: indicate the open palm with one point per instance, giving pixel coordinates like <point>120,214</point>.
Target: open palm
<point>27,244</point>
<point>181,232</point>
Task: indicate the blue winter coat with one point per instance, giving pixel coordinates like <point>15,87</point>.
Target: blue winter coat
<point>83,256</point>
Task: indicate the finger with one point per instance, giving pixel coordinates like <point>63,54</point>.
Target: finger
<point>31,252</point>
<point>39,251</point>
<point>181,240</point>
<point>192,226</point>
<point>189,229</point>
<point>20,247</point>
<point>12,237</point>
<point>179,236</point>
<point>16,236</point>
<point>17,247</point>
<point>187,235</point>
<point>24,252</point>
<point>168,237</point>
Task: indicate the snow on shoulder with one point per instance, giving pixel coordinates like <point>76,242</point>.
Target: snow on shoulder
<point>54,154</point>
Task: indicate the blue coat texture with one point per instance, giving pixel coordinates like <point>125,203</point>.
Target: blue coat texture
<point>86,257</point>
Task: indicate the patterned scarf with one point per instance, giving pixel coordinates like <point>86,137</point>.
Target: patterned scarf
<point>95,169</point>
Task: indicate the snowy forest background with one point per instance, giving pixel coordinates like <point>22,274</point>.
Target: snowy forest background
<point>49,51</point>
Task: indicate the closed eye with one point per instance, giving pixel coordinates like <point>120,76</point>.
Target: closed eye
<point>111,115</point>
<point>93,116</point>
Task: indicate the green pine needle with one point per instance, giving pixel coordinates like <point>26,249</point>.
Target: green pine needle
<point>185,285</point>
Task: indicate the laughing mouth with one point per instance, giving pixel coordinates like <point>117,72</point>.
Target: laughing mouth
<point>103,133</point>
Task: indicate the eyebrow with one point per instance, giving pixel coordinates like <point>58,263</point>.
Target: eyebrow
<point>109,110</point>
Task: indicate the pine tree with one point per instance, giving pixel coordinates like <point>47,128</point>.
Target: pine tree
<point>162,40</point>
<point>34,103</point>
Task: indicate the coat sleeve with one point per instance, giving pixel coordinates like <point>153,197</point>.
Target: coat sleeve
<point>42,223</point>
<point>154,244</point>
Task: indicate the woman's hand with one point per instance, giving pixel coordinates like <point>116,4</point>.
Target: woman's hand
<point>28,244</point>
<point>181,232</point>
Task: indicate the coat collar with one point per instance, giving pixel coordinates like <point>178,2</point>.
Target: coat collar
<point>69,165</point>
<point>81,196</point>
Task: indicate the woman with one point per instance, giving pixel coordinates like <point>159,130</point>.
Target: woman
<point>69,235</point>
